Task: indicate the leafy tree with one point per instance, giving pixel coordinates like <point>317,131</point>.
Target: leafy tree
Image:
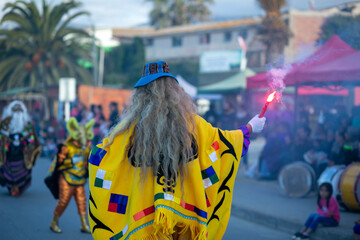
<point>123,64</point>
<point>42,47</point>
<point>346,27</point>
<point>188,69</point>
<point>168,13</point>
<point>273,31</point>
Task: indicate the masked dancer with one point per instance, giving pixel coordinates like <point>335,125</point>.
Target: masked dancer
<point>19,148</point>
<point>69,171</point>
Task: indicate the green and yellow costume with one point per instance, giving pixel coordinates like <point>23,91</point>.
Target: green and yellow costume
<point>67,178</point>
<point>74,168</point>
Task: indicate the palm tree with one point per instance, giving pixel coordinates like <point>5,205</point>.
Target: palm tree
<point>42,47</point>
<point>273,31</point>
<point>168,13</point>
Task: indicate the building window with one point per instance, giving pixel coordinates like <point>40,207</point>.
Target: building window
<point>149,42</point>
<point>243,34</point>
<point>227,36</point>
<point>176,41</point>
<point>205,38</point>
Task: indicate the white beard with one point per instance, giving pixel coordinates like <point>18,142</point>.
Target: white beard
<point>18,122</point>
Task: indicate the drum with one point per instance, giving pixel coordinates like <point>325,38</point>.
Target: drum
<point>332,175</point>
<point>297,179</point>
<point>349,186</point>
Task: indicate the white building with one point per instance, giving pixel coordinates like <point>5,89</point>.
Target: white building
<point>190,41</point>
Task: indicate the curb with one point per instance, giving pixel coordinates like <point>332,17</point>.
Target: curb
<point>284,225</point>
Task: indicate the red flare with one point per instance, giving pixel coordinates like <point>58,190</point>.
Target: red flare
<point>269,100</point>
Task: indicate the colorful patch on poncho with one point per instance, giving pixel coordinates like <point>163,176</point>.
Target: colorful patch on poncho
<point>118,203</point>
<point>120,234</point>
<point>96,155</point>
<point>183,204</point>
<point>213,156</point>
<point>104,179</point>
<point>209,177</point>
<point>144,213</point>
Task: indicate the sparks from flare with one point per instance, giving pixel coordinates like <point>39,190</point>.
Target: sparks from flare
<point>271,97</point>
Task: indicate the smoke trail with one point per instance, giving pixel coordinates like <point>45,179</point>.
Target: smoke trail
<point>278,70</point>
<point>276,76</point>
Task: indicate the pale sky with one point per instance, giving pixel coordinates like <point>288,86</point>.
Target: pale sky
<point>128,13</point>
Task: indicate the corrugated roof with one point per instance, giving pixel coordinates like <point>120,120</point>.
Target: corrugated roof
<point>149,31</point>
<point>132,32</point>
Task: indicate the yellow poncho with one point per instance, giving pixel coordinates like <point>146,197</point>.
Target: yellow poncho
<point>121,206</point>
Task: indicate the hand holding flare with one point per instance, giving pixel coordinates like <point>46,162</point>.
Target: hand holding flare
<point>268,101</point>
<point>256,124</point>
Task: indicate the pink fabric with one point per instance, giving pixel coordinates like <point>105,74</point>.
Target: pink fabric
<point>333,209</point>
<point>74,112</point>
<point>333,49</point>
<point>329,90</point>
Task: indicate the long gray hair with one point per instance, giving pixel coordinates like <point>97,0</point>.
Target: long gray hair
<point>164,118</point>
<point>19,120</point>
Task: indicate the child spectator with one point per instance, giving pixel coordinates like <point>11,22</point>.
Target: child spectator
<point>327,213</point>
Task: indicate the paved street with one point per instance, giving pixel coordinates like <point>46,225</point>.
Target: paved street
<point>239,229</point>
<point>28,217</point>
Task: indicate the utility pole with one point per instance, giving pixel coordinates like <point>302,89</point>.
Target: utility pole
<point>101,66</point>
<point>94,56</point>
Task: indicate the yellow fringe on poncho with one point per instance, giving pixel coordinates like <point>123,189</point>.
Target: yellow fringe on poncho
<point>122,206</point>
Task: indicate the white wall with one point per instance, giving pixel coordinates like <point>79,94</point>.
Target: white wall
<point>162,45</point>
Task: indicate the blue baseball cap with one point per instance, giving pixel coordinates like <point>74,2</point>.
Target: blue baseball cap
<point>153,71</point>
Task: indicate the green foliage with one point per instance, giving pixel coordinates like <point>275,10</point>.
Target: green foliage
<point>166,13</point>
<point>273,31</point>
<point>346,27</point>
<point>42,47</point>
<point>123,64</point>
<point>189,70</point>
<point>272,7</point>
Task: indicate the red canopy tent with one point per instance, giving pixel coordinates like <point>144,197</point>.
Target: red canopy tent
<point>332,50</point>
<point>344,69</point>
<point>329,90</point>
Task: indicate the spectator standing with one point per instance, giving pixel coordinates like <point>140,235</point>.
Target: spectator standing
<point>98,126</point>
<point>211,116</point>
<point>271,159</point>
<point>228,121</point>
<point>302,143</point>
<point>114,114</point>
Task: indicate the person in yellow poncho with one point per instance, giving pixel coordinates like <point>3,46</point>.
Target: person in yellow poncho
<point>163,172</point>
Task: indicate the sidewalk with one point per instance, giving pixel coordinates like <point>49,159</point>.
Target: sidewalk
<point>261,202</point>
